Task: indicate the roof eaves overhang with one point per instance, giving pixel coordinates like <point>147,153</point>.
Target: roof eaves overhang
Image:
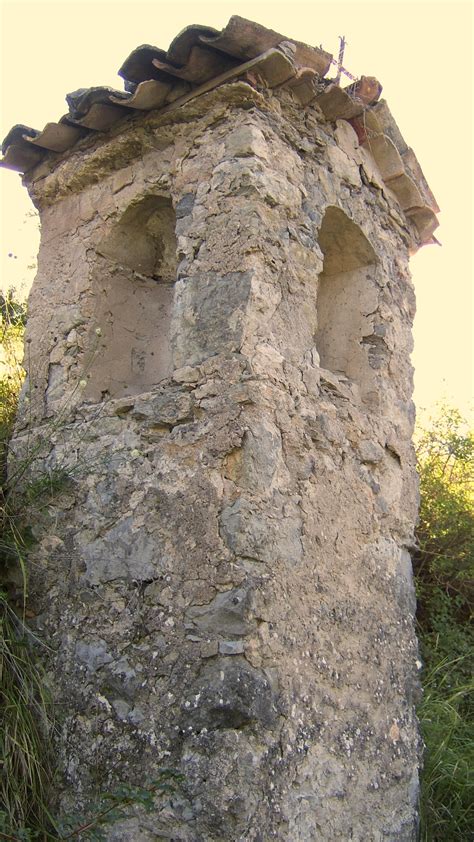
<point>201,58</point>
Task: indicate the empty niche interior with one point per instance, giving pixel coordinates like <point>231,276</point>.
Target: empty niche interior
<point>347,297</point>
<point>135,273</point>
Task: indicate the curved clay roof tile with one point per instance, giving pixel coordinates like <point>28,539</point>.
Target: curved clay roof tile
<point>201,58</point>
<point>245,39</point>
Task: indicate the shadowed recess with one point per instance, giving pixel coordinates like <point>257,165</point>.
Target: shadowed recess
<point>347,297</point>
<point>135,293</point>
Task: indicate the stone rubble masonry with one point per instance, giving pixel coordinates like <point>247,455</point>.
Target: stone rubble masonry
<point>218,355</point>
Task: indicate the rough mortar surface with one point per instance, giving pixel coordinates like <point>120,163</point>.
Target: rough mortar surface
<point>218,355</point>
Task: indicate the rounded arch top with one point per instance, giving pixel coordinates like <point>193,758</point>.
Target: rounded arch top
<point>348,296</point>
<point>143,238</point>
<point>343,243</point>
<point>134,299</point>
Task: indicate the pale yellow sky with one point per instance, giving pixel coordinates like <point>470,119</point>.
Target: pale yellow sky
<point>420,51</point>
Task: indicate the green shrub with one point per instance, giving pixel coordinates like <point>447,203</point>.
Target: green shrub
<point>24,740</point>
<point>444,572</point>
<point>25,771</point>
<point>26,768</point>
<point>447,803</point>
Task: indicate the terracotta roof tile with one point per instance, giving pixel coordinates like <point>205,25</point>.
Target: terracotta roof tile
<point>81,101</point>
<point>201,65</point>
<point>57,137</point>
<point>245,39</point>
<point>201,58</point>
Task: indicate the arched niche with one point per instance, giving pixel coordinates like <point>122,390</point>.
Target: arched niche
<point>134,274</point>
<point>347,296</point>
<point>144,239</point>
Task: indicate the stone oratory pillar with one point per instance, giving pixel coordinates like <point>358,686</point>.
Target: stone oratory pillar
<point>218,359</point>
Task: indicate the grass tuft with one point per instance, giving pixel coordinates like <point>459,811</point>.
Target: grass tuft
<point>25,773</point>
<point>447,803</point>
<point>444,573</point>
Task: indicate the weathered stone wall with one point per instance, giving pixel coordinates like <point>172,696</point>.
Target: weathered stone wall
<point>225,581</point>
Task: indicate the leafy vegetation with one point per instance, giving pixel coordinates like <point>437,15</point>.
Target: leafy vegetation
<point>26,767</point>
<point>27,770</point>
<point>12,325</point>
<point>110,808</point>
<point>117,805</point>
<point>444,570</point>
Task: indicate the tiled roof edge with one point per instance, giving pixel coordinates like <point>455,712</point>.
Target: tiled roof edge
<point>201,58</point>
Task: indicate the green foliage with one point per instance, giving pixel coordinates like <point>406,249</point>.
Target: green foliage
<point>8,404</point>
<point>25,772</point>
<point>12,325</point>
<point>447,804</point>
<point>444,571</point>
<point>109,808</point>
<point>117,805</point>
<point>26,769</point>
<point>12,310</point>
